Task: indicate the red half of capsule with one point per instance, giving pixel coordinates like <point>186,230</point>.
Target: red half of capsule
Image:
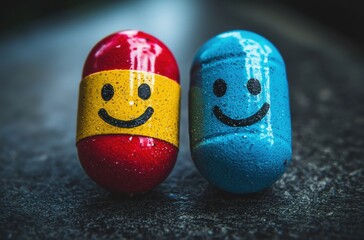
<point>117,51</point>
<point>123,163</point>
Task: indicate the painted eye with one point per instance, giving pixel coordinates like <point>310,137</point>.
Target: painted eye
<point>219,88</point>
<point>144,91</point>
<point>254,86</point>
<point>107,92</point>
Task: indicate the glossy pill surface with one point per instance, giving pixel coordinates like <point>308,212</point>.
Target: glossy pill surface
<point>128,112</point>
<point>239,114</point>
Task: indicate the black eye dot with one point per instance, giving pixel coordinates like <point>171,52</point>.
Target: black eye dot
<point>219,88</point>
<point>254,86</point>
<point>144,91</point>
<point>107,92</point>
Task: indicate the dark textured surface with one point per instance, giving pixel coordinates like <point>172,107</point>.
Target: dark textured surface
<point>45,193</point>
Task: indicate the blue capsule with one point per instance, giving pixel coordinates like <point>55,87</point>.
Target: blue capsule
<point>239,114</point>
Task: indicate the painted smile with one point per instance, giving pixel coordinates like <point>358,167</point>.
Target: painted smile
<point>126,123</point>
<point>256,117</point>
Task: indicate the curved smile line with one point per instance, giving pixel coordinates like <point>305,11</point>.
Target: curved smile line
<point>126,123</point>
<point>256,117</point>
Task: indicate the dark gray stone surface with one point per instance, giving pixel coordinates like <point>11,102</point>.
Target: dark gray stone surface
<point>45,194</point>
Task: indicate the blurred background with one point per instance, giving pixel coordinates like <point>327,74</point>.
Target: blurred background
<point>344,17</point>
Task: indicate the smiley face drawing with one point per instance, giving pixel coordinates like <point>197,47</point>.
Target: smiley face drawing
<point>239,116</point>
<point>235,87</point>
<point>129,102</point>
<point>254,88</point>
<point>107,93</point>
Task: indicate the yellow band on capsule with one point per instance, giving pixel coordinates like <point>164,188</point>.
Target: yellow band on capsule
<point>126,105</point>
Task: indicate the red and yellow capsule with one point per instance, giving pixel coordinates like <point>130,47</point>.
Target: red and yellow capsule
<point>128,112</point>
